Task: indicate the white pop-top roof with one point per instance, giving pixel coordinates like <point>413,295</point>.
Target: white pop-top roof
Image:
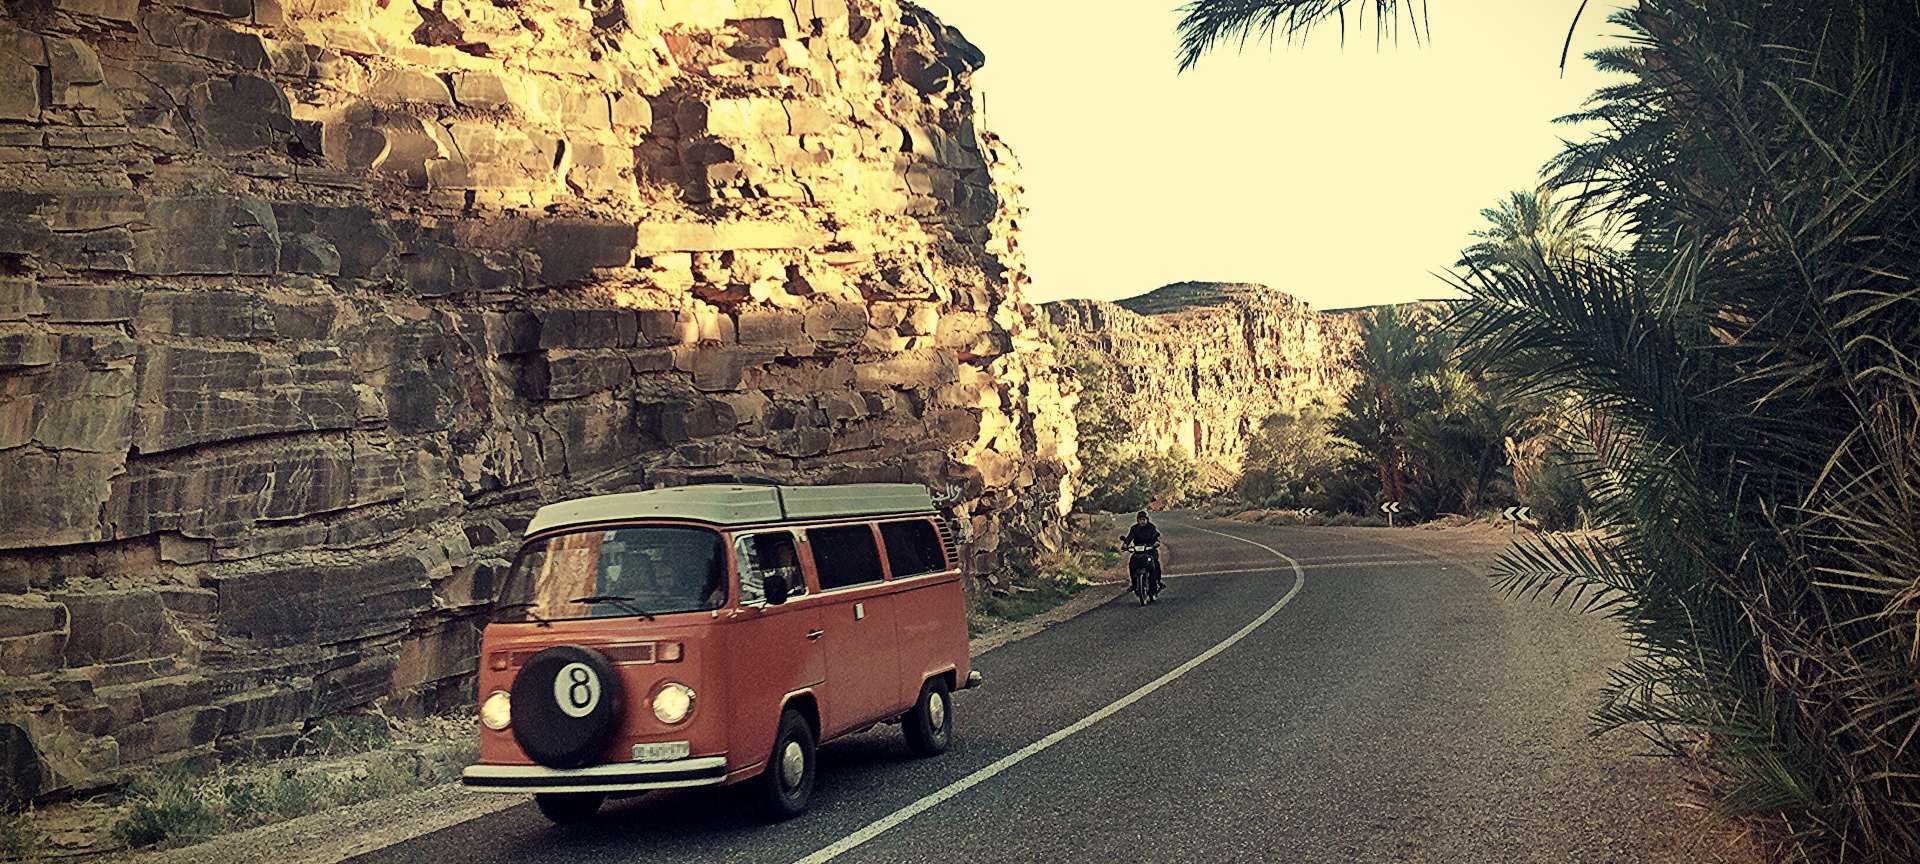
<point>738,505</point>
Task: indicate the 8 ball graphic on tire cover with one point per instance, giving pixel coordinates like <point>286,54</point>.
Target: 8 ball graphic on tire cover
<point>567,701</point>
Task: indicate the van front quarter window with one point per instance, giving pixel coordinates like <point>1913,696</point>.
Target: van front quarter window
<point>601,573</point>
<point>764,553</point>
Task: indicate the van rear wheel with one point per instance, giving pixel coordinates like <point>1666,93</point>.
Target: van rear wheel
<point>566,808</point>
<point>929,726</point>
<point>786,786</point>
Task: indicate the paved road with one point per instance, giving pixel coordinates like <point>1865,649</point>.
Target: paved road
<point>1381,703</point>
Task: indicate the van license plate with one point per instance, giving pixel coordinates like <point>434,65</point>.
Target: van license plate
<point>660,751</point>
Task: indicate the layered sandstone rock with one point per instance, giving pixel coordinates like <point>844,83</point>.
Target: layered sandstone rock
<point>305,307</point>
<point>1198,365</point>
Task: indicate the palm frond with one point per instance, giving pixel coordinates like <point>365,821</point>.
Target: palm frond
<point>1206,24</point>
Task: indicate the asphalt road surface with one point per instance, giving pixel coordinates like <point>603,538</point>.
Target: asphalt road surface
<point>1313,695</point>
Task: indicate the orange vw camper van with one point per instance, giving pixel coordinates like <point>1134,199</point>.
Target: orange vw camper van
<point>708,635</point>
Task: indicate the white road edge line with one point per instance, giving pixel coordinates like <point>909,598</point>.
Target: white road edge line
<point>886,823</point>
<point>1426,562</point>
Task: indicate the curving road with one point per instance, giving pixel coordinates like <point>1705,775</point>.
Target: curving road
<point>1299,695</point>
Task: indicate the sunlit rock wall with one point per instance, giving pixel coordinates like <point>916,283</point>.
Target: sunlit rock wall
<point>1196,366</point>
<point>305,305</point>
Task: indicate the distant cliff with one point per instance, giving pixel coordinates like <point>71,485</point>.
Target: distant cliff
<point>1198,365</point>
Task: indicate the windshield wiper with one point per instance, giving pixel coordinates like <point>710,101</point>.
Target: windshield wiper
<point>617,600</point>
<point>526,608</point>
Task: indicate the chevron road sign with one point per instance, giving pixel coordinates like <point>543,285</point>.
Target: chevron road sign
<point>1390,508</point>
<point>1517,514</point>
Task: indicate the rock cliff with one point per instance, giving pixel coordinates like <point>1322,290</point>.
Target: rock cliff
<point>1198,365</point>
<point>305,305</point>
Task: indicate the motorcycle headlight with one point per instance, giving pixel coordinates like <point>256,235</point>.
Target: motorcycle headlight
<point>672,702</point>
<point>497,712</point>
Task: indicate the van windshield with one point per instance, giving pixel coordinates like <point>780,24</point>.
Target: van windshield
<point>614,572</point>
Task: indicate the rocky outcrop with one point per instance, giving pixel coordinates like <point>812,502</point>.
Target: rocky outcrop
<point>305,307</point>
<point>1197,365</point>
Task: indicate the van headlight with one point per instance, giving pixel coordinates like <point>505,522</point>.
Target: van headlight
<point>497,712</point>
<point>672,702</point>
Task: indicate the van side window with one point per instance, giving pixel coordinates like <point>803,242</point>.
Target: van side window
<point>845,555</point>
<point>913,548</point>
<point>763,553</point>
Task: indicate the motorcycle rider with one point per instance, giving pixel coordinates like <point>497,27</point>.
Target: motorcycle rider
<point>1145,533</point>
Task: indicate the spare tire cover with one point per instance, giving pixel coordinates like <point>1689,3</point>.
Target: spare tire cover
<point>567,701</point>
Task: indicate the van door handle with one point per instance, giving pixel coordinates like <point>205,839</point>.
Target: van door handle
<point>814,635</point>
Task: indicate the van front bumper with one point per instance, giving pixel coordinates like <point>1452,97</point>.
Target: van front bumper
<point>623,777</point>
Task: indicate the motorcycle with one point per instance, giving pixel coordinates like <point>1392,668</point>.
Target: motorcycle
<point>1142,565</point>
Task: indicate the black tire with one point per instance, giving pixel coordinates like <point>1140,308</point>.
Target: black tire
<point>566,808</point>
<point>929,726</point>
<point>1140,582</point>
<point>781,795</point>
<point>545,729</point>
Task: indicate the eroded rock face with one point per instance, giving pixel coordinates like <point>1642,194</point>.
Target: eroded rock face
<point>305,308</point>
<point>1198,365</point>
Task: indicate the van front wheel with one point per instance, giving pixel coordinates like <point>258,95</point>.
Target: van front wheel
<point>786,785</point>
<point>566,808</point>
<point>929,726</point>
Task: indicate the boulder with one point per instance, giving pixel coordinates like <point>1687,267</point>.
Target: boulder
<point>569,249</point>
<point>208,236</point>
<point>660,237</point>
<point>19,89</point>
<point>322,603</point>
<point>482,89</point>
<point>772,327</point>
<point>572,374</point>
<point>715,368</point>
<point>119,11</point>
<point>216,314</point>
<point>242,112</point>
<point>190,396</point>
<point>409,85</point>
<point>220,495</point>
<point>113,627</point>
<point>588,328</point>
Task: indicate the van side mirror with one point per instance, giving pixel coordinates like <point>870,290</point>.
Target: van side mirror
<point>775,586</point>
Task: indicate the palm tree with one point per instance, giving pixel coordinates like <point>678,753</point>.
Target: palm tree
<point>1753,357</point>
<point>1529,226</point>
<point>1395,356</point>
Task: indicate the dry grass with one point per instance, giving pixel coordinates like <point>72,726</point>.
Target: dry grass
<point>342,761</point>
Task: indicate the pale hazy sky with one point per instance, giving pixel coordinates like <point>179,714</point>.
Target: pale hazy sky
<point>1345,176</point>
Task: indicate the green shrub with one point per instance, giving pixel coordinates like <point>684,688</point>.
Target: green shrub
<point>260,801</point>
<point>167,809</point>
<point>19,839</point>
<point>339,736</point>
<point>1291,458</point>
<point>1557,497</point>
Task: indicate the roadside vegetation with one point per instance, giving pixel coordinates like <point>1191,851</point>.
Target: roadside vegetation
<point>341,761</point>
<point>20,839</point>
<point>1050,579</point>
<point>1118,473</point>
<point>1418,428</point>
<point>1729,389</point>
